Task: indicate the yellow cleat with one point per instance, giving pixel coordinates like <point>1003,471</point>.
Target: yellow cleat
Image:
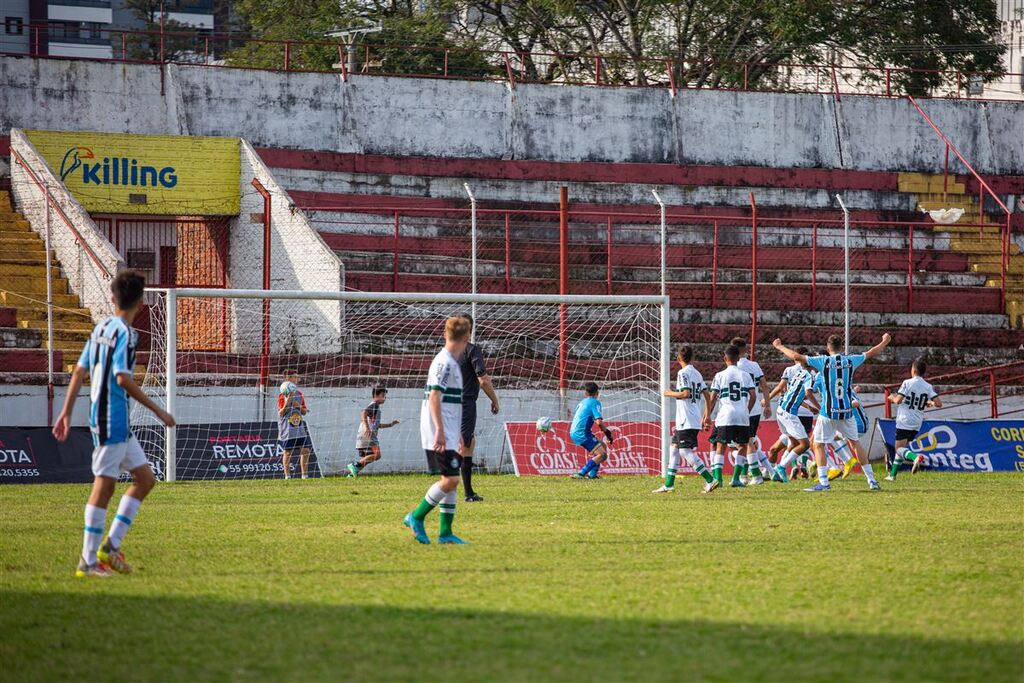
<point>834,473</point>
<point>113,558</point>
<point>848,467</point>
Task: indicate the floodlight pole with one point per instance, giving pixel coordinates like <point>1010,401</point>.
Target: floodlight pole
<point>664,239</point>
<point>472,258</point>
<point>846,274</point>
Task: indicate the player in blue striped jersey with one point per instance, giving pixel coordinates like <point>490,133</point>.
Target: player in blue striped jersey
<point>796,387</point>
<point>109,360</point>
<point>836,415</point>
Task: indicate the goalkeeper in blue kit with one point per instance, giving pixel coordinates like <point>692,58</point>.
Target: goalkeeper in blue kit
<point>588,414</point>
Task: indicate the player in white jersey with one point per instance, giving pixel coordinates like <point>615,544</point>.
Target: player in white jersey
<point>761,409</point>
<point>441,433</point>
<point>914,395</point>
<point>732,391</point>
<point>691,395</point>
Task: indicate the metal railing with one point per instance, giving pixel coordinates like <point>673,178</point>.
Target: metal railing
<point>981,381</point>
<point>243,51</point>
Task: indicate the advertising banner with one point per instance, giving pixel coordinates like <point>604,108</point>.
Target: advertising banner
<point>965,446</point>
<point>33,456</point>
<point>232,450</point>
<point>145,174</point>
<point>636,449</point>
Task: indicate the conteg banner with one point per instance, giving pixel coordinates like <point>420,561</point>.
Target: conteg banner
<point>965,446</point>
<point>229,450</point>
<point>636,449</point>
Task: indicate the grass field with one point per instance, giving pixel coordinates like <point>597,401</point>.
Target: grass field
<point>564,580</point>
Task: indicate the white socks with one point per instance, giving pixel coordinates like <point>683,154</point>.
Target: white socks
<point>787,458</point>
<point>673,460</point>
<point>823,475</point>
<point>435,494</point>
<point>868,472</point>
<point>95,520</point>
<point>126,511</point>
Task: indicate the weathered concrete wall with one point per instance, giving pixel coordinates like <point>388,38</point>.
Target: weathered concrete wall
<point>423,117</point>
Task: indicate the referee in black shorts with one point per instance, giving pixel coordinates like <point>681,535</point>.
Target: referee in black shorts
<point>474,378</point>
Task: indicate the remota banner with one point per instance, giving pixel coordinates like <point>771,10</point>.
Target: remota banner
<point>145,174</point>
<point>636,449</point>
<point>965,446</point>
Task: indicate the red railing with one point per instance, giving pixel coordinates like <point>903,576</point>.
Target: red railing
<point>234,50</point>
<point>711,259</point>
<point>990,379</point>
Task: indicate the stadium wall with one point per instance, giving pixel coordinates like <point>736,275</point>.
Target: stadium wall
<point>442,118</point>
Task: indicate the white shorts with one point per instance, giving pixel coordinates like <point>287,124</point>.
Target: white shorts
<point>825,429</point>
<point>112,459</point>
<point>790,425</point>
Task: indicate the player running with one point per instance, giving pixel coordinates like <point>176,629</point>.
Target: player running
<point>588,414</point>
<point>914,395</point>
<point>441,433</point>
<point>797,387</point>
<point>761,408</point>
<point>109,359</point>
<point>836,415</point>
<point>690,393</point>
<point>732,390</point>
<point>292,432</point>
<point>367,443</point>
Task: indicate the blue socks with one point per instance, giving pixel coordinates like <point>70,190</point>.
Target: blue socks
<point>590,467</point>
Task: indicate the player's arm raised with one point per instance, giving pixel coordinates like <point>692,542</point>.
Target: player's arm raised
<point>788,352</point>
<point>879,347</point>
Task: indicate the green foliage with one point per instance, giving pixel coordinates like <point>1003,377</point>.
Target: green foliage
<point>563,581</point>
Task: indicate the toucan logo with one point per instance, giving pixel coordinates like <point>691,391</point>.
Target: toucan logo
<point>114,170</point>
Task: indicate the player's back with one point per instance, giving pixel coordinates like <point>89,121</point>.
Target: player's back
<point>753,369</point>
<point>689,410</point>
<point>587,412</point>
<point>797,385</point>
<point>916,393</point>
<point>110,351</point>
<point>733,388</point>
<point>836,380</point>
<point>788,374</point>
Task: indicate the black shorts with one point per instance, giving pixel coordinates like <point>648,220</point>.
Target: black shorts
<point>808,422</point>
<point>685,438</point>
<point>737,434</point>
<point>906,434</point>
<point>445,463</point>
<point>468,421</point>
<point>370,450</point>
<point>298,442</point>
<point>755,422</point>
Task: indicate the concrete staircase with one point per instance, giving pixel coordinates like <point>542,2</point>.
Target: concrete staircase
<point>982,246</point>
<point>23,290</point>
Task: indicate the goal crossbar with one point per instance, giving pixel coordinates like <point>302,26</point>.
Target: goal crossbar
<point>174,294</point>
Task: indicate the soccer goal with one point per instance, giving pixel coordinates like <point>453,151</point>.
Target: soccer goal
<point>217,358</point>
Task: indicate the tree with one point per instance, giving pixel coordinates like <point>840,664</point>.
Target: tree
<point>179,41</point>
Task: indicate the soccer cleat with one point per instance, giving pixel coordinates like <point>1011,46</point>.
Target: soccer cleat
<point>418,532</point>
<point>593,476</point>
<point>113,558</point>
<point>918,462</point>
<point>577,475</point>
<point>819,487</point>
<point>744,479</point>
<point>890,478</point>
<point>834,473</point>
<point>663,489</point>
<point>353,471</point>
<point>711,485</point>
<point>874,486</point>
<point>98,570</point>
<point>848,467</point>
<point>781,471</point>
<point>737,484</point>
<point>474,498</point>
<point>811,468</point>
<point>451,539</point>
<point>755,481</point>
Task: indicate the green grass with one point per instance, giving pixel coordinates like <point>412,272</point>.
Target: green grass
<point>564,581</point>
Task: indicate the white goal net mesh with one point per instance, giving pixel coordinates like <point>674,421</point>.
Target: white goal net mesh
<point>233,354</point>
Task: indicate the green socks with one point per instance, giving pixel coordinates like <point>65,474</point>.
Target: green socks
<point>422,510</point>
<point>670,478</point>
<point>447,517</point>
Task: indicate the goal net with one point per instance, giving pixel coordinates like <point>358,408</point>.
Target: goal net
<point>218,358</point>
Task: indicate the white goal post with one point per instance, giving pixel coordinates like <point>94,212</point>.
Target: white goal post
<point>540,350</point>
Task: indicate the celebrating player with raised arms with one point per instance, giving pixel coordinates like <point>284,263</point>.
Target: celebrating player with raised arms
<point>836,371</point>
<point>441,433</point>
<point>914,395</point>
<point>691,396</point>
<point>588,414</point>
<point>109,359</point>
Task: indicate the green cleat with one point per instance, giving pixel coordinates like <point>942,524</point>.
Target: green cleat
<point>353,471</point>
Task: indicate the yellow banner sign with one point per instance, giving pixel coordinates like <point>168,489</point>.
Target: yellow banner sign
<point>149,174</point>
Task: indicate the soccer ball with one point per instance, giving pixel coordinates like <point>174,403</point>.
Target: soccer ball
<point>543,424</point>
<point>287,388</point>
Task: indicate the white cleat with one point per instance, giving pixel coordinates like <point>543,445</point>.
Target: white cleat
<point>663,489</point>
<point>890,478</point>
<point>756,481</point>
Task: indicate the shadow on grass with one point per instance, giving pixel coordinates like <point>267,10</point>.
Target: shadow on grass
<point>74,636</point>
